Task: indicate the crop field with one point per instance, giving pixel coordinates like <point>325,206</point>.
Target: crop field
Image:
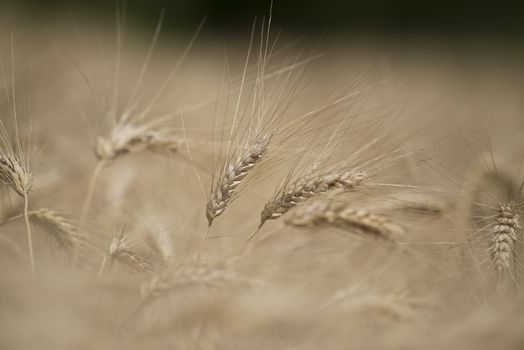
<point>260,192</point>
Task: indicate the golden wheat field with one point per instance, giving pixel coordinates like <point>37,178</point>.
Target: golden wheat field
<point>265,192</point>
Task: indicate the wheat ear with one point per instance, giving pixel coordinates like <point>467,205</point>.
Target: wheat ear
<point>127,138</point>
<point>340,215</point>
<point>15,175</point>
<point>122,251</point>
<point>304,189</point>
<point>504,238</point>
<point>65,233</point>
<point>187,276</point>
<point>234,173</point>
<point>59,228</point>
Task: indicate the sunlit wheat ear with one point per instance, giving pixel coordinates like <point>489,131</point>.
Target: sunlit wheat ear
<point>234,173</point>
<point>14,173</point>
<point>302,190</point>
<point>505,235</point>
<point>340,215</point>
<point>127,138</point>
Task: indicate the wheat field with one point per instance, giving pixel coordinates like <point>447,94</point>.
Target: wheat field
<point>265,192</point>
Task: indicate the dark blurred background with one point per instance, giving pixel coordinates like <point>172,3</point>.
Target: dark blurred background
<point>444,20</point>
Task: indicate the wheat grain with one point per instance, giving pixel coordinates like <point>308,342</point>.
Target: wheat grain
<point>122,251</point>
<point>15,175</point>
<point>63,231</point>
<point>234,173</point>
<point>127,138</point>
<point>302,190</point>
<point>504,238</point>
<point>340,215</point>
<point>188,276</point>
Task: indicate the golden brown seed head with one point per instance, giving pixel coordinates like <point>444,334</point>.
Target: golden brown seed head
<point>234,174</point>
<point>305,189</point>
<point>15,175</point>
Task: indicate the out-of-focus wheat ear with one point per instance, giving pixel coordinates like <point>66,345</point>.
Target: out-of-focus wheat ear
<point>376,305</point>
<point>503,247</point>
<point>127,139</point>
<point>234,173</point>
<point>288,197</point>
<point>124,139</point>
<point>190,276</point>
<point>340,215</point>
<point>15,174</point>
<point>60,229</point>
<point>120,250</point>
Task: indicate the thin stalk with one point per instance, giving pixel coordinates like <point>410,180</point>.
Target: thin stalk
<point>29,236</point>
<point>90,192</point>
<point>201,244</point>
<point>249,240</point>
<point>102,266</point>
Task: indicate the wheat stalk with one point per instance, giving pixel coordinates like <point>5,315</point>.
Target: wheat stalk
<point>15,174</point>
<point>504,238</point>
<point>340,215</point>
<point>304,189</point>
<point>234,173</point>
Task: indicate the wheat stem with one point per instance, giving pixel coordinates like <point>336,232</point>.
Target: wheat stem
<point>90,192</point>
<point>29,236</point>
<point>101,270</point>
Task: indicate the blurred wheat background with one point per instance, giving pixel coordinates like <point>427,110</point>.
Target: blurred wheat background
<point>296,175</point>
